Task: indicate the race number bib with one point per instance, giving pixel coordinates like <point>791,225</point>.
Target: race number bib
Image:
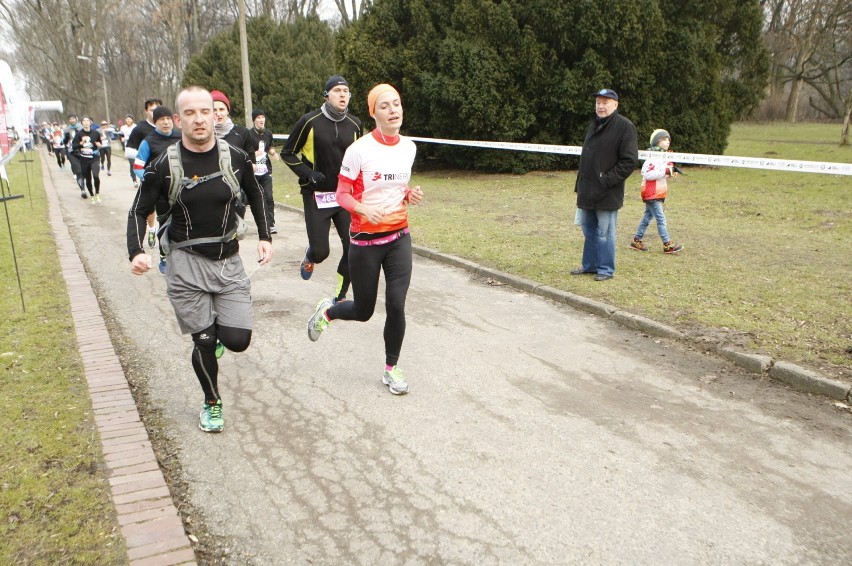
<point>326,200</point>
<point>261,169</point>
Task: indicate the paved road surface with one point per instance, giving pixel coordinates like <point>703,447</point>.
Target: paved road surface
<point>533,433</point>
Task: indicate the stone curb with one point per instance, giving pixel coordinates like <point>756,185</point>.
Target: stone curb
<point>797,377</point>
<point>807,380</point>
<point>158,537</point>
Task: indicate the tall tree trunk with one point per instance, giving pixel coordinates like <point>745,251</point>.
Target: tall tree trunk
<point>793,101</point>
<point>193,28</point>
<point>844,134</point>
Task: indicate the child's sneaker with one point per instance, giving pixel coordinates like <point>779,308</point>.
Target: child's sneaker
<point>637,245</point>
<point>671,248</point>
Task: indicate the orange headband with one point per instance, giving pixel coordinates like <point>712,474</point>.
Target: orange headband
<point>374,95</point>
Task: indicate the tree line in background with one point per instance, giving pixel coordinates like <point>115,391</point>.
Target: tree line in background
<point>810,46</point>
<point>513,70</point>
<point>141,47</point>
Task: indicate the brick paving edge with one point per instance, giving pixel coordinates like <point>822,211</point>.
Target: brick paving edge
<point>157,537</point>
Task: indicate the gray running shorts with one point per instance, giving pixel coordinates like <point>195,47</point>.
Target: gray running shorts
<point>203,291</point>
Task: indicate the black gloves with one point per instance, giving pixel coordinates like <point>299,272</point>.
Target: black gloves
<point>315,177</point>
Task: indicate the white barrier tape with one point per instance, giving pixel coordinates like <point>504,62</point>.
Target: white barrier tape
<point>4,159</point>
<point>757,163</point>
<point>691,158</point>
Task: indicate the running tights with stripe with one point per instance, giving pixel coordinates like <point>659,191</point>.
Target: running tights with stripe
<point>204,360</point>
<point>366,264</point>
<point>317,223</point>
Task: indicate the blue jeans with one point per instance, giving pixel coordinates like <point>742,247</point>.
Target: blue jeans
<point>599,245</point>
<point>654,210</point>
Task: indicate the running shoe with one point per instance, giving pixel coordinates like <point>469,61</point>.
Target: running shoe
<point>220,349</point>
<point>318,322</point>
<point>306,268</point>
<point>94,200</point>
<point>210,419</point>
<point>162,265</point>
<point>395,381</point>
<point>83,194</point>
<point>152,238</point>
<point>98,198</point>
<point>109,173</point>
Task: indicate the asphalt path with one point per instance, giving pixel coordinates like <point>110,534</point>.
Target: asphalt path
<point>533,433</point>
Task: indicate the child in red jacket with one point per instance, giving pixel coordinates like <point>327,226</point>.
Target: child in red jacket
<point>655,171</point>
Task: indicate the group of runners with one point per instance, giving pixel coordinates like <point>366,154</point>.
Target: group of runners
<point>84,146</point>
<point>199,188</point>
<point>197,171</point>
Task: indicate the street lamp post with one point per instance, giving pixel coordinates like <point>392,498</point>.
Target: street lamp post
<point>103,76</point>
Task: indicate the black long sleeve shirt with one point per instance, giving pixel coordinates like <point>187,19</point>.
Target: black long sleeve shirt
<point>85,144</point>
<point>318,144</point>
<point>206,210</point>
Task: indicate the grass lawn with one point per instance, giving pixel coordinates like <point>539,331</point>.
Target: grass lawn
<point>55,505</point>
<point>767,258</point>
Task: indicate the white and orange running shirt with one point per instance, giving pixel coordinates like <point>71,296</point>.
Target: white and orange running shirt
<point>378,173</point>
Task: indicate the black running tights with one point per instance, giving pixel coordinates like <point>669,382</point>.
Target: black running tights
<point>317,223</point>
<point>366,264</point>
<point>204,360</point>
<point>90,168</point>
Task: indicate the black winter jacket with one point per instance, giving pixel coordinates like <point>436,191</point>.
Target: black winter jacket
<point>318,144</point>
<point>610,154</point>
<point>240,137</point>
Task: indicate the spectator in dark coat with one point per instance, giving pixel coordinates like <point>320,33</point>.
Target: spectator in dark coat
<point>610,154</point>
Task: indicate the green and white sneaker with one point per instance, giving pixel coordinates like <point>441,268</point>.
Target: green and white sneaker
<point>317,323</point>
<point>210,418</point>
<point>395,381</point>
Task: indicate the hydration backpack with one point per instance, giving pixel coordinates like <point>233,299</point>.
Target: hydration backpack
<point>179,182</point>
